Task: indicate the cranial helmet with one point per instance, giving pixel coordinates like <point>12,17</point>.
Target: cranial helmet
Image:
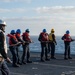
<point>2,22</point>
<point>2,25</point>
<point>52,30</point>
<point>27,30</point>
<point>67,32</point>
<point>18,31</point>
<point>12,32</point>
<point>44,30</point>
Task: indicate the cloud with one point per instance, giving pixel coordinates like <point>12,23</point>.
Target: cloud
<point>42,10</point>
<point>42,20</point>
<point>60,18</point>
<point>56,9</point>
<point>4,10</point>
<point>28,1</point>
<point>59,23</point>
<point>17,10</point>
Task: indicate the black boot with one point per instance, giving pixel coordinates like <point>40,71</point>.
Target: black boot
<point>47,59</point>
<point>65,58</point>
<point>29,61</point>
<point>16,65</point>
<point>24,62</point>
<point>69,58</point>
<point>42,60</point>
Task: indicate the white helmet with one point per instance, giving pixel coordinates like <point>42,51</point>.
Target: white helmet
<point>2,22</point>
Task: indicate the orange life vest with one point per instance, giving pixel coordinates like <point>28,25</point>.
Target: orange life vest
<point>67,37</point>
<point>26,36</point>
<point>44,36</point>
<point>17,35</point>
<point>10,37</point>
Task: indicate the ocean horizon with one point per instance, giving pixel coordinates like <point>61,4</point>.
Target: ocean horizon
<point>36,47</point>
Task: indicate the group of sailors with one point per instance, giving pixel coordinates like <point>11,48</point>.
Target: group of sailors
<point>15,41</point>
<point>47,41</point>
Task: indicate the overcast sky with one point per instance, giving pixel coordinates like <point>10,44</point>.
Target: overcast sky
<point>39,14</point>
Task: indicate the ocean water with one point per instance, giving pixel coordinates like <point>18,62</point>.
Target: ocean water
<point>36,47</point>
